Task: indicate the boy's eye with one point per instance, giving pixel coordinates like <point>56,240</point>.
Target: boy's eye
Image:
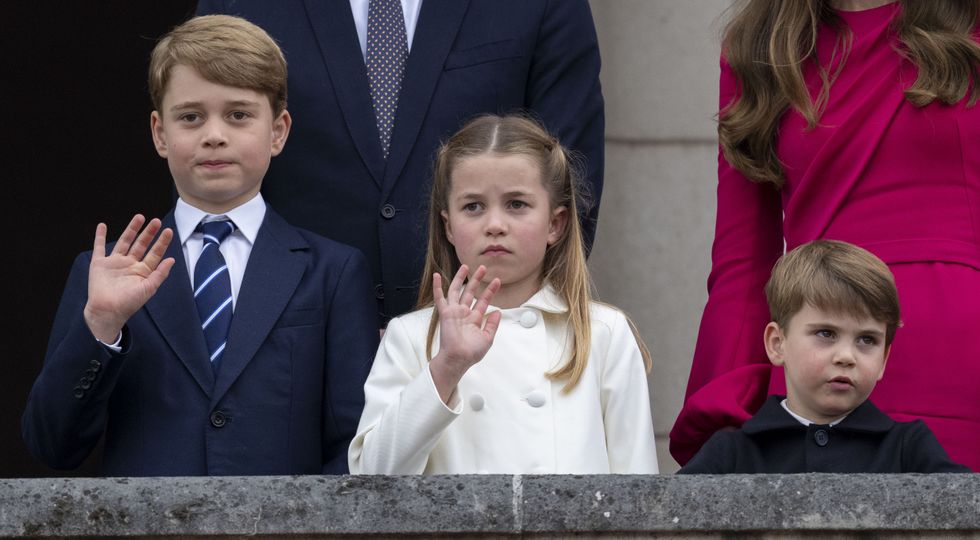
<point>824,333</point>
<point>239,115</point>
<point>868,340</point>
<point>189,117</point>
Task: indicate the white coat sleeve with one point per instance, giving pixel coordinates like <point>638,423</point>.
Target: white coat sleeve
<point>403,416</point>
<point>625,398</point>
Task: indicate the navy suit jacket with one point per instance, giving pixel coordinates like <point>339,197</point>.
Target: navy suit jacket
<point>286,399</point>
<point>468,57</point>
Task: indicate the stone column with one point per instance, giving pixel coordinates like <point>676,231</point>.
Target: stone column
<point>652,253</point>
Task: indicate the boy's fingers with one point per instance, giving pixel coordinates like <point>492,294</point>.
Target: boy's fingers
<point>126,239</point>
<point>144,238</point>
<point>155,255</point>
<point>98,247</point>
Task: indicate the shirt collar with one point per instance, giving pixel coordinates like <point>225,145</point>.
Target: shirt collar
<point>806,421</point>
<point>546,299</point>
<point>247,217</point>
<point>866,417</point>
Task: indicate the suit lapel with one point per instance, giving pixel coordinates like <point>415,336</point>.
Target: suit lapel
<point>333,25</point>
<point>173,311</point>
<point>275,267</point>
<point>439,21</point>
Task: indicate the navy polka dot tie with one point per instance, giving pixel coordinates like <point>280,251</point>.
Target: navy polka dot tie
<point>212,289</point>
<point>387,50</point>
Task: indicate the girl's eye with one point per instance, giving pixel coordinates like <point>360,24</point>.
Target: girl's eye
<point>517,205</point>
<point>471,207</point>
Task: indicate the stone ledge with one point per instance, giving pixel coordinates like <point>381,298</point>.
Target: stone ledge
<point>493,506</point>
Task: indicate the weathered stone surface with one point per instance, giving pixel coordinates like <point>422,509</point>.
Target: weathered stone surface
<point>493,506</point>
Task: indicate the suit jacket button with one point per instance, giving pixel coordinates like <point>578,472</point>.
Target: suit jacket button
<point>379,291</point>
<point>218,419</point>
<point>79,392</point>
<point>85,384</point>
<point>821,437</point>
<point>388,211</point>
<point>95,363</point>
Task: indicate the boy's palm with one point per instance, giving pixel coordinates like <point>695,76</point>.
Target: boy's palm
<point>121,282</point>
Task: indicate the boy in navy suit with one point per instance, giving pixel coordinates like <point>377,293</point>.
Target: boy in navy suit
<point>268,377</point>
<point>835,311</point>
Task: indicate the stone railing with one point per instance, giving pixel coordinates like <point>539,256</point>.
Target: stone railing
<point>495,506</point>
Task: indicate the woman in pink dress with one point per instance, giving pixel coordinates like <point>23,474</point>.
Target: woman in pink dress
<point>852,120</point>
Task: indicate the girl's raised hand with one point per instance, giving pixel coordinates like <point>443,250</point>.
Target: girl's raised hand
<point>464,337</point>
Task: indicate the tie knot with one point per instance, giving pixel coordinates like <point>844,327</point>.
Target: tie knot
<point>216,231</point>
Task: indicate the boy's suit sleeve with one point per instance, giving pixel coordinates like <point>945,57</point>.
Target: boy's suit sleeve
<point>351,342</point>
<point>66,409</point>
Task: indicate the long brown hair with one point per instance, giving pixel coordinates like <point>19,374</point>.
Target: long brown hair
<point>767,42</point>
<point>564,261</point>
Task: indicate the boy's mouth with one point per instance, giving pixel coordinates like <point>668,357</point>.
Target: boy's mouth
<point>841,383</point>
<point>212,163</point>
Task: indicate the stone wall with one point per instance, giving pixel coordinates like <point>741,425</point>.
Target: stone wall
<point>495,506</point>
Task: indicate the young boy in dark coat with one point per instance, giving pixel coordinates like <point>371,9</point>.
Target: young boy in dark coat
<point>835,311</point>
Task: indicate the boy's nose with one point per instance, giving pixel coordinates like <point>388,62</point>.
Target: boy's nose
<point>214,135</point>
<point>844,356</point>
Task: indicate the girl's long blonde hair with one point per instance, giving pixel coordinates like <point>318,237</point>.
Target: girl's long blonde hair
<point>564,261</point>
<point>768,41</point>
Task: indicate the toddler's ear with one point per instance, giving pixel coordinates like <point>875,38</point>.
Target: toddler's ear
<point>774,340</point>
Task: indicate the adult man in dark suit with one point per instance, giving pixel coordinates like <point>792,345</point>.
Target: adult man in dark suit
<point>267,378</point>
<point>466,57</point>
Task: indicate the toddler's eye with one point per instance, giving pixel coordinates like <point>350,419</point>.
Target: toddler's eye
<point>868,340</point>
<point>826,334</point>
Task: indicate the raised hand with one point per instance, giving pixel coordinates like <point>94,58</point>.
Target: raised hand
<point>464,337</point>
<point>120,283</point>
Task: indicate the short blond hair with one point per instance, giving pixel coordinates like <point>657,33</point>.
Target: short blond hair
<point>224,50</point>
<point>837,277</point>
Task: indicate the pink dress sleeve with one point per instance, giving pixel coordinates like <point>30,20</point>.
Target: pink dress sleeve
<point>730,373</point>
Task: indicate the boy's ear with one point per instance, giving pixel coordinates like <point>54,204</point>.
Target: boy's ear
<point>559,219</point>
<point>775,341</point>
<point>280,131</point>
<point>884,361</point>
<point>449,229</point>
<point>159,136</point>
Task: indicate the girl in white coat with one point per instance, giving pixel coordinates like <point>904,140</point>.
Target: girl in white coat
<point>514,370</point>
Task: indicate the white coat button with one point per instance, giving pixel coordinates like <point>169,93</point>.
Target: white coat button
<point>529,319</point>
<point>476,402</point>
<point>536,398</point>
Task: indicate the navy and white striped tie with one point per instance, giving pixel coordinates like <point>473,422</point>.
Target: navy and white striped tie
<point>212,289</point>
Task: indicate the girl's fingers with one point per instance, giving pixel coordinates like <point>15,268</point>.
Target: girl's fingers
<point>493,322</point>
<point>142,243</point>
<point>485,297</point>
<point>98,247</point>
<point>438,298</point>
<point>126,239</point>
<point>456,286</point>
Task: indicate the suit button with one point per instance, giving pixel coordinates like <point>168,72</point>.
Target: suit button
<point>79,392</point>
<point>388,211</point>
<point>821,437</point>
<point>529,319</point>
<point>218,419</point>
<point>379,291</point>
<point>477,402</point>
<point>536,399</point>
<point>95,364</point>
<point>85,384</point>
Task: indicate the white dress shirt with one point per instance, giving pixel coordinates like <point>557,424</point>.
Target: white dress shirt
<point>360,10</point>
<point>235,249</point>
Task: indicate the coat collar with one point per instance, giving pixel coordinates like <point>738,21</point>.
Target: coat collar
<point>771,417</point>
<point>546,299</point>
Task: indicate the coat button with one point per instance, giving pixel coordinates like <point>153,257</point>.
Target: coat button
<point>85,384</point>
<point>379,291</point>
<point>388,211</point>
<point>477,402</point>
<point>536,398</point>
<point>218,419</point>
<point>79,393</point>
<point>95,363</point>
<point>529,319</point>
<point>821,437</point>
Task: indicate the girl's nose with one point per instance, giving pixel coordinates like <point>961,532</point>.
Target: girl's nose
<point>495,224</point>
